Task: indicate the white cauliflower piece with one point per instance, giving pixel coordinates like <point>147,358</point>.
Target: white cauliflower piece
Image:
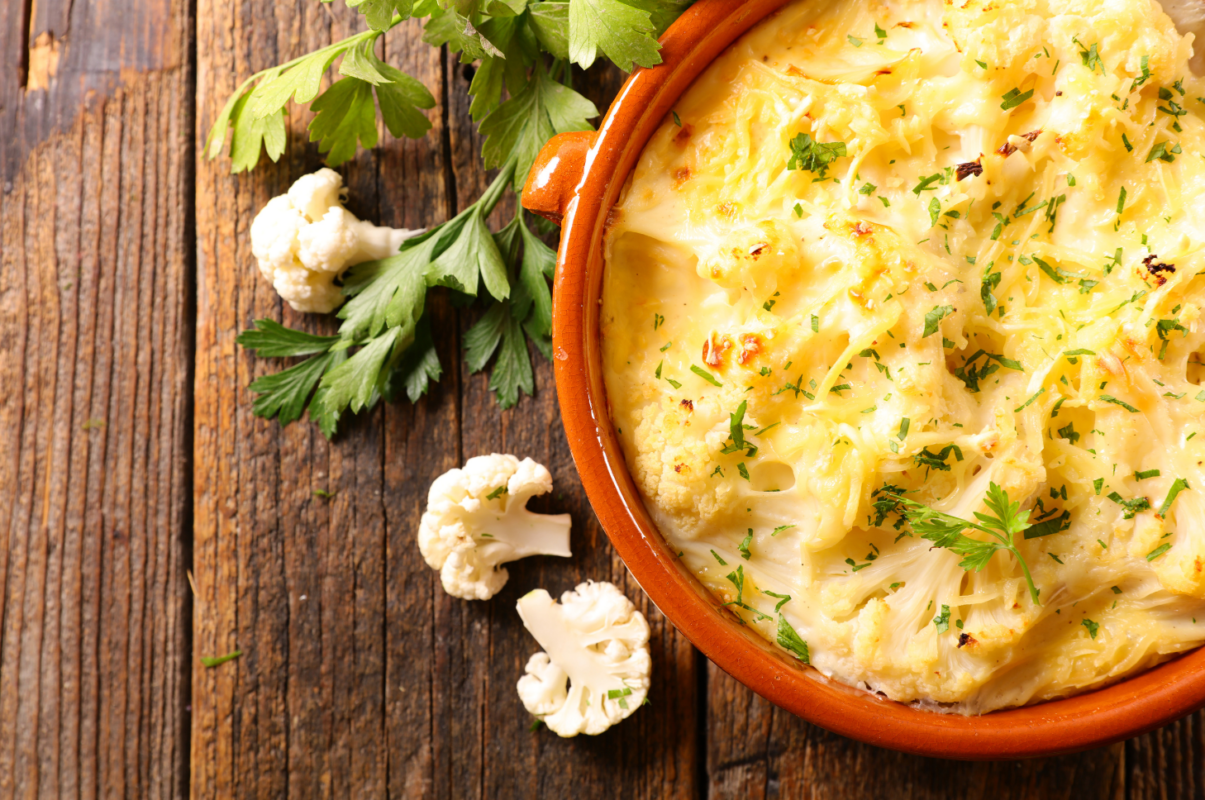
<point>305,239</point>
<point>1189,17</point>
<point>477,519</point>
<point>597,642</point>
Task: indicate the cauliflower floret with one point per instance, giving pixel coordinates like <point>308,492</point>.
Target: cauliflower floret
<point>596,642</point>
<point>305,239</point>
<point>1189,16</point>
<point>477,519</point>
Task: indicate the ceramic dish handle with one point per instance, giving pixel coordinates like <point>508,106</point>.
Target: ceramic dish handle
<point>553,179</point>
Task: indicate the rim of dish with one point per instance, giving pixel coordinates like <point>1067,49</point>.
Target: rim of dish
<point>1094,718</point>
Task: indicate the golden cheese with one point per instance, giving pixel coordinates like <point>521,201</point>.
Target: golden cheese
<point>989,271</point>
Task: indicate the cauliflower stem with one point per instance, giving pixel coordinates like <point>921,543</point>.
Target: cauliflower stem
<point>477,520</point>
<point>596,641</point>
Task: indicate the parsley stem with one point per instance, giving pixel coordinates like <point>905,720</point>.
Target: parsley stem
<point>493,195</point>
<point>1033,590</point>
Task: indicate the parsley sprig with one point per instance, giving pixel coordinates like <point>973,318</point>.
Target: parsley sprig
<point>521,97</point>
<point>809,155</point>
<point>1004,522</point>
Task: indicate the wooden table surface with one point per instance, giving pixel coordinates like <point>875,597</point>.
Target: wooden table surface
<point>130,461</point>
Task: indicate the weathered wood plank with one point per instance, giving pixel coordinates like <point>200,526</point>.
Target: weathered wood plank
<point>1167,764</point>
<point>359,674</point>
<point>95,358</point>
<point>758,751</point>
<point>655,753</point>
<point>301,583</point>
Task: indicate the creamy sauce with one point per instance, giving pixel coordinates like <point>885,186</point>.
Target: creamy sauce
<point>980,285</point>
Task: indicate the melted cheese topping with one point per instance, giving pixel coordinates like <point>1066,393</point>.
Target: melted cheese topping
<point>1029,318</point>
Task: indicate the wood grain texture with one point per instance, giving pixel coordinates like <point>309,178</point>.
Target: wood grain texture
<point>758,751</point>
<point>293,580</point>
<point>95,366</point>
<point>360,676</point>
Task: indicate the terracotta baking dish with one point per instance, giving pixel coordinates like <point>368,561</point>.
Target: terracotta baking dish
<point>575,181</point>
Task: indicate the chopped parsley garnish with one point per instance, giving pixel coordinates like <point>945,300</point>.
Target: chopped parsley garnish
<point>815,324</point>
<point>1108,398</point>
<point>716,555</point>
<point>1014,98</point>
<point>1132,506</point>
<point>1092,627</point>
<point>926,184</point>
<point>658,321</point>
<point>677,119</point>
<point>990,281</point>
<point>1158,551</point>
<point>209,662</point>
<point>942,620</point>
<point>1142,475</point>
<point>737,579</point>
<point>1161,152</point>
<point>736,431</point>
<point>934,211</point>
<point>1050,526</point>
<point>812,156</point>
<point>705,375</point>
<point>1090,56</point>
<point>781,528</point>
<point>789,640</point>
<point>783,599</point>
<point>1002,524</point>
<point>1145,76</point>
<point>1029,402</point>
<point>494,495</point>
<point>1121,200</point>
<point>743,470</point>
<point>743,547</point>
<point>1164,328</point>
<point>855,41</point>
<point>1050,271</point>
<point>886,501</point>
<point>1178,486</point>
<point>937,460</point>
<point>1069,433</point>
<point>934,318</point>
<point>905,423</point>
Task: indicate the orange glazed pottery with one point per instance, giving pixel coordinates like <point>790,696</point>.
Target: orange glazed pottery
<point>574,182</point>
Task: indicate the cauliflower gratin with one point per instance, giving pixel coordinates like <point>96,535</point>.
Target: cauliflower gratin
<point>901,338</point>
